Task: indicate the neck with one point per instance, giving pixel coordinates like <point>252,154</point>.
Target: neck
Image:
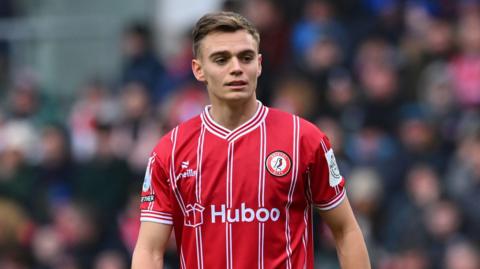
<point>232,116</point>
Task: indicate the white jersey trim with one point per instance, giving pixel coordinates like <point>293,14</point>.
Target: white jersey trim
<point>337,200</point>
<point>241,130</point>
<point>149,219</point>
<point>156,212</point>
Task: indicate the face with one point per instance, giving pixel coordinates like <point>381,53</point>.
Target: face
<point>229,64</point>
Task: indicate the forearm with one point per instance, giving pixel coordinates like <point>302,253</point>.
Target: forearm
<point>143,258</point>
<point>351,250</point>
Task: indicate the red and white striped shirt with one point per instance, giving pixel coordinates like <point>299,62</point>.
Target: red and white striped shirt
<point>242,198</point>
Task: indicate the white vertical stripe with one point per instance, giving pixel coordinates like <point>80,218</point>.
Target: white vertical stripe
<point>201,243</point>
<point>231,204</point>
<point>182,259</point>
<point>291,191</point>
<point>264,144</point>
<point>198,243</point>
<point>305,235</point>
<point>260,186</point>
<point>259,246</point>
<point>198,192</point>
<point>231,176</point>
<point>173,177</point>
<point>261,165</point>
<point>263,246</point>
<point>261,194</point>
<point>227,252</point>
<point>198,178</point>
<point>230,247</point>
<point>263,160</point>
<point>228,226</point>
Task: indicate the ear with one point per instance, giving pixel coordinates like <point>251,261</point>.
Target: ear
<point>260,59</point>
<point>198,70</point>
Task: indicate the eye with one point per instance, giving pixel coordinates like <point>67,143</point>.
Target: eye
<point>247,58</point>
<point>220,60</point>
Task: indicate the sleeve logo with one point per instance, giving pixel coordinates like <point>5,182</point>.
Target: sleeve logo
<point>334,173</point>
<point>148,198</point>
<point>278,163</point>
<point>194,217</point>
<point>147,181</point>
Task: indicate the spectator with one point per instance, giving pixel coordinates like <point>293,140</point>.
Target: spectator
<point>94,101</point>
<point>16,169</point>
<point>268,16</point>
<point>141,62</point>
<point>296,95</point>
<point>54,172</point>
<point>462,255</point>
<point>465,67</point>
<point>136,129</point>
<point>402,227</point>
<point>103,181</point>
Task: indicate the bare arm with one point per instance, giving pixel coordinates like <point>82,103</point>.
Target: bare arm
<point>351,249</point>
<point>151,244</point>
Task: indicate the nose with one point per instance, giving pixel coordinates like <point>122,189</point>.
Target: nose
<point>236,68</point>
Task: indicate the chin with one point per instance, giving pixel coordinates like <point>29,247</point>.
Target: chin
<point>238,96</point>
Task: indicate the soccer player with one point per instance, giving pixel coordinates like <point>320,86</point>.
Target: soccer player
<point>239,183</point>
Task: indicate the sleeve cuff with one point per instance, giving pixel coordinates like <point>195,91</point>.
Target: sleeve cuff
<point>333,203</point>
<point>156,216</point>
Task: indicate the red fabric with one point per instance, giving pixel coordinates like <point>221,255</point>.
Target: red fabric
<point>227,209</point>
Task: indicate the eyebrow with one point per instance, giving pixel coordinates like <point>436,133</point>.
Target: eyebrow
<point>226,52</point>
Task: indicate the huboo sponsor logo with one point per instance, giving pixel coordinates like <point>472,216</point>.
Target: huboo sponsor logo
<point>243,214</point>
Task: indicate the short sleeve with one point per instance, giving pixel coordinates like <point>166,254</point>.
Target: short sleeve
<point>155,203</point>
<point>325,183</point>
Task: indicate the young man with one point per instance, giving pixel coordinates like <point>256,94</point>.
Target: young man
<point>238,183</point>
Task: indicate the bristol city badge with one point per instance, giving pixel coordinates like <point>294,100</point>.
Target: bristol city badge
<point>278,163</point>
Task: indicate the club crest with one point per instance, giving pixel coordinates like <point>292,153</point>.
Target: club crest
<point>278,163</point>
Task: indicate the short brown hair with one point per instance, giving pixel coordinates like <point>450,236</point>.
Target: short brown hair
<point>223,21</point>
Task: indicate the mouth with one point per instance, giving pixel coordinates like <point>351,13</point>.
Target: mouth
<point>236,83</point>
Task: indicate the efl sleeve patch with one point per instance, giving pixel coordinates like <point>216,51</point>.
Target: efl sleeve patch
<point>334,173</point>
<point>147,181</point>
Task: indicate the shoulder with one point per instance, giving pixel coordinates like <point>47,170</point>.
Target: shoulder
<point>307,129</point>
<point>179,133</point>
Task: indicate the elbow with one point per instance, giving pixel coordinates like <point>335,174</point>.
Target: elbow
<point>147,258</point>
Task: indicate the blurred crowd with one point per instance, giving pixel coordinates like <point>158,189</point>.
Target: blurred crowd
<point>395,84</point>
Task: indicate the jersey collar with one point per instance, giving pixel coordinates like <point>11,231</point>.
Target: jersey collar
<point>241,130</point>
